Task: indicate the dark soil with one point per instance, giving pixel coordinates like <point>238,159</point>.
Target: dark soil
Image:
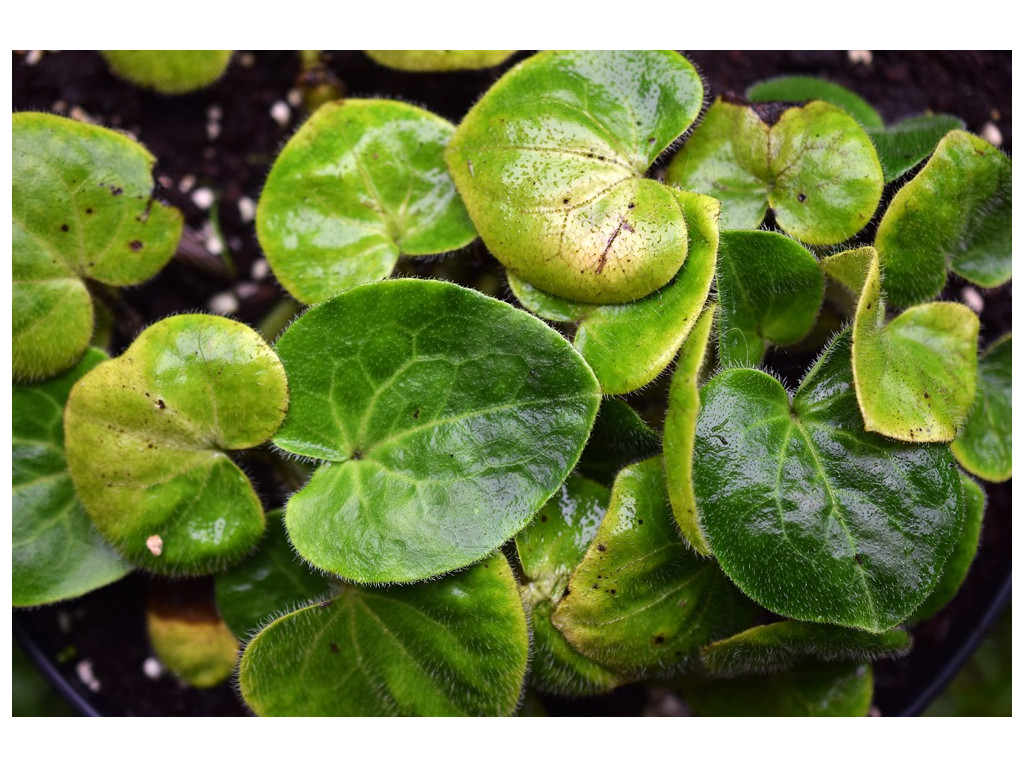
<point>107,628</point>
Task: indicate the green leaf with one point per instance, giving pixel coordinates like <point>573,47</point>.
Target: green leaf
<point>770,290</point>
<point>641,602</point>
<point>149,435</point>
<point>619,437</point>
<point>815,167</point>
<point>914,376</point>
<point>902,146</point>
<point>438,61</point>
<point>786,644</point>
<point>680,430</point>
<point>271,582</point>
<point>454,646</point>
<point>549,549</point>
<point>362,182</point>
<point>984,445</point>
<point>551,163</point>
<point>189,638</point>
<point>547,305</point>
<point>812,690</point>
<point>56,552</point>
<point>169,72</point>
<point>955,214</point>
<point>803,88</point>
<point>622,359</point>
<point>82,208</point>
<point>810,515</point>
<point>959,562</point>
<point>444,420</point>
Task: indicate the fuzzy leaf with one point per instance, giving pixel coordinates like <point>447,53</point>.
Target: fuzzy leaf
<point>641,602</point>
<point>815,167</point>
<point>551,164</point>
<point>56,552</point>
<point>169,72</point>
<point>680,430</point>
<point>149,435</point>
<point>785,644</point>
<point>914,376</point>
<point>902,146</point>
<point>803,88</point>
<point>811,690</point>
<point>82,209</point>
<point>549,549</point>
<point>955,214</point>
<point>454,646</point>
<point>619,437</point>
<point>362,182</point>
<point>810,515</point>
<point>438,61</point>
<point>444,420</point>
<point>770,290</point>
<point>189,637</point>
<point>262,587</point>
<point>984,445</point>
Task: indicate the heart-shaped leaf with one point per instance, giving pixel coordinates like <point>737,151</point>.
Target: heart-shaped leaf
<point>959,562</point>
<point>170,72</point>
<point>810,690</point>
<point>82,208</point>
<point>915,376</point>
<point>955,214</point>
<point>438,61</point>
<point>803,88</point>
<point>984,445</point>
<point>607,337</point>
<point>550,548</point>
<point>902,146</point>
<point>272,582</point>
<point>56,552</point>
<point>770,290</point>
<point>619,437</point>
<point>454,646</point>
<point>641,602</point>
<point>815,167</point>
<point>810,515</point>
<point>444,418</point>
<point>551,164</point>
<point>785,644</point>
<point>361,183</point>
<point>148,436</point>
<point>681,427</point>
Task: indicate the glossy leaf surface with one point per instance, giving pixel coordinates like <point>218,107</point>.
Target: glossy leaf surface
<point>641,602</point>
<point>81,208</point>
<point>438,61</point>
<point>453,646</point>
<point>984,446</point>
<point>955,214</point>
<point>148,436</point>
<point>815,167</point>
<point>803,88</point>
<point>915,376</point>
<point>550,548</point>
<point>903,145</point>
<point>812,690</point>
<point>362,182</point>
<point>169,72</point>
<point>959,562</point>
<point>769,289</point>
<point>785,644</point>
<point>619,437</point>
<point>810,515</point>
<point>271,582</point>
<point>551,164</point>
<point>681,428</point>
<point>55,550</point>
<point>444,420</point>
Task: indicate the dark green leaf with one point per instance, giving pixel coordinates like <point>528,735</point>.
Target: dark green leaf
<point>902,146</point>
<point>619,437</point>
<point>803,88</point>
<point>984,445</point>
